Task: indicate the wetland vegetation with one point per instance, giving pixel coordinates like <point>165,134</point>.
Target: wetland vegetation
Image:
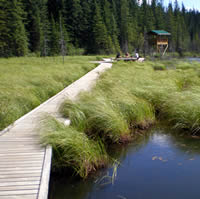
<point>27,82</point>
<point>126,100</point>
<point>161,163</point>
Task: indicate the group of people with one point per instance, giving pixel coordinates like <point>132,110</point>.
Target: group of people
<point>127,55</point>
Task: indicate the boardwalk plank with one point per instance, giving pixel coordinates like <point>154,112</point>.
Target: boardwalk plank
<point>27,196</point>
<point>18,192</point>
<point>20,179</point>
<point>21,163</point>
<point>24,183</point>
<point>20,172</point>
<point>24,162</point>
<point>19,188</point>
<point>14,168</point>
<point>25,175</point>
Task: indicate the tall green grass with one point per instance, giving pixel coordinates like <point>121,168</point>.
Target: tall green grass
<point>72,148</point>
<point>27,82</point>
<point>130,97</point>
<point>110,111</point>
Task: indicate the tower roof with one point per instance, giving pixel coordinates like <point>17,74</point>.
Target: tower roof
<point>159,32</point>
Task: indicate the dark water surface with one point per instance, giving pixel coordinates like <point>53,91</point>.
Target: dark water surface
<point>194,59</point>
<point>158,165</point>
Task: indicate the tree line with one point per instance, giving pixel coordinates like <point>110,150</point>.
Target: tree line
<point>54,27</point>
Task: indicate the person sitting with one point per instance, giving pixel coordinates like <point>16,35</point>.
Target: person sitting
<point>118,56</point>
<point>127,55</point>
<point>137,55</point>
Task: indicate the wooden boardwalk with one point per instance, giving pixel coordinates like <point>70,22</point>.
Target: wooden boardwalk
<point>24,163</point>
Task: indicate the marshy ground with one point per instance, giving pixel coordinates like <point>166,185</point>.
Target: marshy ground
<point>126,100</point>
<point>26,82</point>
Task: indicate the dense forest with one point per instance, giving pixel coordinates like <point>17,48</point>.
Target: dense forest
<point>53,27</point>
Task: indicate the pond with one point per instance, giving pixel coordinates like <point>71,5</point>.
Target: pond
<point>159,164</point>
<point>194,59</point>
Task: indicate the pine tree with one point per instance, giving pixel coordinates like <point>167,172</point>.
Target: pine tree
<point>55,37</point>
<point>160,15</point>
<point>170,26</point>
<point>102,41</point>
<point>85,24</point>
<point>124,24</point>
<point>73,13</point>
<point>4,30</point>
<point>18,43</point>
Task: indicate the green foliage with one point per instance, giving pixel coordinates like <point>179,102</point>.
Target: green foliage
<point>72,148</point>
<point>125,99</point>
<point>34,80</point>
<point>96,26</point>
<point>55,36</point>
<point>14,39</point>
<point>102,40</point>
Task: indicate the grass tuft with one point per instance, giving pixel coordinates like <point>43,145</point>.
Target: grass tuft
<point>72,148</point>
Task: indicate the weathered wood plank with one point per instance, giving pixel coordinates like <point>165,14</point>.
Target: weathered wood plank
<point>21,158</point>
<point>22,163</point>
<point>20,192</point>
<point>14,168</point>
<point>20,155</point>
<point>20,179</point>
<point>43,191</point>
<point>24,183</point>
<point>24,153</point>
<point>20,172</point>
<point>27,196</point>
<point>19,175</point>
<point>19,187</point>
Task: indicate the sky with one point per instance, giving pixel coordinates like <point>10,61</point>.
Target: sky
<point>189,4</point>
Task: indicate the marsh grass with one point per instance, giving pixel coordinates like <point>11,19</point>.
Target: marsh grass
<point>135,93</point>
<point>129,98</point>
<point>97,117</point>
<point>27,82</point>
<point>72,148</point>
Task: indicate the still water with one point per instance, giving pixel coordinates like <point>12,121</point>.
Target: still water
<point>158,165</point>
<point>194,59</point>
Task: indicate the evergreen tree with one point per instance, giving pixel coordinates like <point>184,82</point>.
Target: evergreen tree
<point>4,30</point>
<point>98,26</point>
<point>102,41</point>
<point>160,16</point>
<point>125,28</point>
<point>55,37</point>
<point>18,44</point>
<point>170,26</point>
<point>85,24</point>
<point>73,13</point>
<point>44,30</point>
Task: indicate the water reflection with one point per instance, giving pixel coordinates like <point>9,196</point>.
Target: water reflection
<point>158,164</point>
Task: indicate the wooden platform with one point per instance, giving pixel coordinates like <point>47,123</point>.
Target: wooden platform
<point>127,59</point>
<point>24,163</point>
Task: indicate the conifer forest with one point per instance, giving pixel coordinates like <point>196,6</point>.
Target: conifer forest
<point>55,27</point>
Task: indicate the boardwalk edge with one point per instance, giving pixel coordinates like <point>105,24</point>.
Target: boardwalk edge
<point>44,183</point>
